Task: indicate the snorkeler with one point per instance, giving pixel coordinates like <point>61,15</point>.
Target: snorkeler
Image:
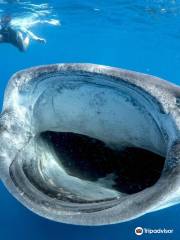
<point>9,34</point>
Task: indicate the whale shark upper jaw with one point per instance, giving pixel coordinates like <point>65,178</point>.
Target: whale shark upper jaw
<point>89,144</point>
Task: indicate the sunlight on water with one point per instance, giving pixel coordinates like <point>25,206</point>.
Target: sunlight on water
<point>27,14</point>
<point>137,14</point>
<point>153,15</point>
<point>30,21</point>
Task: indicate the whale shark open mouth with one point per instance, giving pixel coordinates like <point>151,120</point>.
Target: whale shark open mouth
<point>88,144</point>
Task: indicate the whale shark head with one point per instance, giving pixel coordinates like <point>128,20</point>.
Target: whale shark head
<point>89,144</point>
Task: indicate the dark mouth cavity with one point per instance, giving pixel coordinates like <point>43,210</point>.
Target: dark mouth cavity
<point>129,171</point>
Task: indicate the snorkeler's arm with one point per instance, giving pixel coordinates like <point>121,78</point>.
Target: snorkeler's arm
<point>33,36</point>
<point>36,38</point>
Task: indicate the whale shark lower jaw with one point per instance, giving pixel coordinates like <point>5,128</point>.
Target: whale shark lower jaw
<point>89,144</point>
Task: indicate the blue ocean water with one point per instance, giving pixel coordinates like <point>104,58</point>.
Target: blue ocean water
<point>138,35</point>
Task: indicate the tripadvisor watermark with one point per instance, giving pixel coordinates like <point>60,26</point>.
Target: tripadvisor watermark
<point>140,231</point>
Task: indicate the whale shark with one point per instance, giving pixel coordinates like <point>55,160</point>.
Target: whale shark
<point>87,144</point>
